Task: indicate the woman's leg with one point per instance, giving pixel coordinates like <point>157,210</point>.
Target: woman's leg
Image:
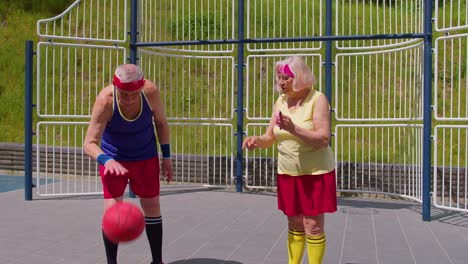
<point>316,241</point>
<point>296,239</point>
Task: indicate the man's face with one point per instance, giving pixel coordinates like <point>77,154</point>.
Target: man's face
<point>128,98</point>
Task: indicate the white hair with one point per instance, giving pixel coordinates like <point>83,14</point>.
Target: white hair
<point>128,73</point>
<point>303,77</point>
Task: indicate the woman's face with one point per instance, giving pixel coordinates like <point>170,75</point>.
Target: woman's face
<point>285,83</point>
<point>128,98</point>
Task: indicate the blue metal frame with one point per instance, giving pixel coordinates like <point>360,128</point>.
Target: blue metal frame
<point>133,32</point>
<point>328,52</point>
<point>427,137</point>
<point>240,97</point>
<point>28,119</point>
<point>133,51</point>
<point>328,38</point>
<point>273,40</point>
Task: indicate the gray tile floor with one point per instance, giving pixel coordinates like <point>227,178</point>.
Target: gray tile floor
<point>211,226</point>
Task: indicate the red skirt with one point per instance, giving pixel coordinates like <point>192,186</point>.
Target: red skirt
<point>308,195</point>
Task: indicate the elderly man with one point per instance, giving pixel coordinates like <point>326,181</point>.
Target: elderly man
<point>122,122</point>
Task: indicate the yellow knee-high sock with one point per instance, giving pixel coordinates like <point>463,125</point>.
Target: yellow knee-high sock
<point>296,244</point>
<point>316,248</point>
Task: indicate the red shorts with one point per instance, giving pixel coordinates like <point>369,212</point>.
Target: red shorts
<point>143,176</point>
<point>308,195</point>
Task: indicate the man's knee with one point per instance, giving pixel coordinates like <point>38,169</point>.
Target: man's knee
<point>151,206</point>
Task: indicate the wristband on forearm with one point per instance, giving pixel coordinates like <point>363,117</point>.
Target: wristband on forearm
<point>166,151</point>
<point>103,158</point>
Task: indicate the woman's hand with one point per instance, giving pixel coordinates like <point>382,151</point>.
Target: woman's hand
<point>250,142</point>
<point>284,122</point>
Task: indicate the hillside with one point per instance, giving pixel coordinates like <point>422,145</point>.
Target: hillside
<point>18,24</point>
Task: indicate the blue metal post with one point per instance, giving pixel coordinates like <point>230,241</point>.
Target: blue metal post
<point>328,56</point>
<point>240,96</point>
<point>133,50</point>
<point>133,31</point>
<point>28,106</point>
<point>427,137</point>
<point>328,51</point>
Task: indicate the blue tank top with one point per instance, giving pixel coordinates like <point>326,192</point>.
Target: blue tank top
<point>130,140</point>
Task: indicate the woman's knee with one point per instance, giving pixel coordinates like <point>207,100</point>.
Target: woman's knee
<point>295,223</point>
<point>314,225</point>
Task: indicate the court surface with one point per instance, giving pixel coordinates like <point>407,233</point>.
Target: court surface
<point>14,182</point>
<point>208,226</point>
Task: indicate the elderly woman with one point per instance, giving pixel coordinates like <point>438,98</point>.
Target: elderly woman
<point>300,122</point>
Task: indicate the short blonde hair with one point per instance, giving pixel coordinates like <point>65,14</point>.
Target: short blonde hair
<point>303,77</point>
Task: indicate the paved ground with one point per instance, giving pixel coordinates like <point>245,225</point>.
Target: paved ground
<point>211,226</point>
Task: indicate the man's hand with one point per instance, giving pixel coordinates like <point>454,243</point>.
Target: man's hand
<point>167,169</point>
<point>114,167</point>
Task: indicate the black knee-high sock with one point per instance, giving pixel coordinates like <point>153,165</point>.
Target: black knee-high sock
<point>111,250</point>
<point>155,234</point>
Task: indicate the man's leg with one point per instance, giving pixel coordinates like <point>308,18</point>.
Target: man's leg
<point>154,230</point>
<point>113,188</point>
<point>110,247</point>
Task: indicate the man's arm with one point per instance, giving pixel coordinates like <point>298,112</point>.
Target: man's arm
<point>162,127</point>
<point>159,114</point>
<point>102,112</point>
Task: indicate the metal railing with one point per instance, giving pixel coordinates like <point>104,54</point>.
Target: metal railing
<point>382,65</point>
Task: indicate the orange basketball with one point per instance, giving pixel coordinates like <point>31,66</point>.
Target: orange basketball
<point>123,222</point>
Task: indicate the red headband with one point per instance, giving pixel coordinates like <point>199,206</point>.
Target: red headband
<point>284,69</point>
<point>129,86</point>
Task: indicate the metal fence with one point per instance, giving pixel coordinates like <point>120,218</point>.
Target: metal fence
<point>213,61</point>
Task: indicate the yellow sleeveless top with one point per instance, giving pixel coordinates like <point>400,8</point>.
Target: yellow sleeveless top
<point>295,157</point>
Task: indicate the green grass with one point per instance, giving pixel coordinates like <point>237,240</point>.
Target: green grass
<point>17,24</point>
<point>15,28</point>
